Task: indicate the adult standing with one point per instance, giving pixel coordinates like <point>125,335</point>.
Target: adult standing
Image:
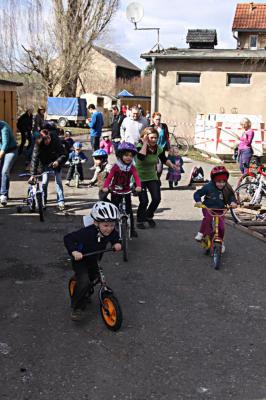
<point>8,153</point>
<point>38,121</point>
<point>118,118</point>
<point>148,153</point>
<point>49,154</point>
<point>132,126</point>
<point>24,126</point>
<point>163,137</point>
<point>245,150</point>
<point>96,125</point>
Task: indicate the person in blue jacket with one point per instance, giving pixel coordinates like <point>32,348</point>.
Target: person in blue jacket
<point>96,125</point>
<point>217,195</point>
<point>76,154</point>
<point>8,153</point>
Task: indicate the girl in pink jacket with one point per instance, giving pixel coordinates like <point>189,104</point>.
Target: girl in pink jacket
<point>118,179</point>
<point>106,144</point>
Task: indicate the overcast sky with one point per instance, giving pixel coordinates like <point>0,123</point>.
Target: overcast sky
<point>174,17</point>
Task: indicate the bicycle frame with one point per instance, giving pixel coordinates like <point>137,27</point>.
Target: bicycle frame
<point>123,212</point>
<point>208,242</point>
<point>34,189</point>
<point>101,279</point>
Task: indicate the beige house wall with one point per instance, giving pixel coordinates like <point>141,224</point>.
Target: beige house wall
<point>244,40</point>
<point>180,103</point>
<point>99,76</point>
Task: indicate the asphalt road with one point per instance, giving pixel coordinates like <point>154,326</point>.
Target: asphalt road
<point>189,332</point>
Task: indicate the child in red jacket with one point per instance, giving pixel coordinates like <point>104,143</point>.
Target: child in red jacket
<point>118,179</point>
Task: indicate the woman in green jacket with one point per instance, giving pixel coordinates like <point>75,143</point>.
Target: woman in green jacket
<point>147,157</point>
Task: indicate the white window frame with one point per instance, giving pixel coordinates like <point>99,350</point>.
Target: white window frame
<point>253,47</point>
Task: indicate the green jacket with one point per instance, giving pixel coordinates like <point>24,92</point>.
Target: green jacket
<point>146,165</point>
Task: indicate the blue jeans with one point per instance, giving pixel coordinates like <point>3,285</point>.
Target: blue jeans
<point>58,186</point>
<point>6,164</point>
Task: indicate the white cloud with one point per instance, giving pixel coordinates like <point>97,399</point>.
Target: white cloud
<point>174,18</point>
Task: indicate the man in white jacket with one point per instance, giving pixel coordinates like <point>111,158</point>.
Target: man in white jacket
<point>132,126</point>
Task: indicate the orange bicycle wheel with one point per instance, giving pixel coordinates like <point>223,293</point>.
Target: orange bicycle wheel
<point>71,286</point>
<point>112,315</point>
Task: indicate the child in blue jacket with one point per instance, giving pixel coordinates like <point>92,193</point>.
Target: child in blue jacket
<point>218,194</point>
<point>75,155</point>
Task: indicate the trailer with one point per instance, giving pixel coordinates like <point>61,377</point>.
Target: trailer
<point>218,134</point>
<point>67,111</point>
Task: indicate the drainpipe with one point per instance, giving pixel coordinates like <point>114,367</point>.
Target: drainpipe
<point>154,93</point>
<point>237,39</point>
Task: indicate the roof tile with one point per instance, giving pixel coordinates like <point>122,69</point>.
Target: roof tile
<point>250,16</point>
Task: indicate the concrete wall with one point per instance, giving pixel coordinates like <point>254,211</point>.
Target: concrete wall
<point>180,103</point>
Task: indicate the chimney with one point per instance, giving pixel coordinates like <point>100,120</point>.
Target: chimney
<point>252,6</point>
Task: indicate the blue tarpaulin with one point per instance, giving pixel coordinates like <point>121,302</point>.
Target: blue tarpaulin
<point>125,93</point>
<point>67,106</point>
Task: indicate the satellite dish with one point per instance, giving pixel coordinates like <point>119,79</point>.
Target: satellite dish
<point>134,12</point>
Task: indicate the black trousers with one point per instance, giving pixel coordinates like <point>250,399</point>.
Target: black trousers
<point>145,210</point>
<point>71,170</point>
<point>25,136</point>
<point>95,142</point>
<point>84,275</point>
<point>117,199</point>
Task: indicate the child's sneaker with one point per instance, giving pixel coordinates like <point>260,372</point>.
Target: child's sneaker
<point>3,200</point>
<point>61,206</point>
<point>223,248</point>
<point>199,237</point>
<point>76,315</point>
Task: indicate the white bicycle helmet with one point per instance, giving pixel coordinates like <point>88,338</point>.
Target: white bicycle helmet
<point>102,211</point>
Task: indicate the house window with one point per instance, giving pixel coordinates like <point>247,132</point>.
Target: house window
<point>187,78</point>
<point>253,42</point>
<point>238,79</point>
<point>100,101</point>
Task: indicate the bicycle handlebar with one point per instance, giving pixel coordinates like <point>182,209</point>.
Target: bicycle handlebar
<point>121,193</point>
<point>95,253</point>
<point>260,170</point>
<point>212,211</point>
<point>35,176</point>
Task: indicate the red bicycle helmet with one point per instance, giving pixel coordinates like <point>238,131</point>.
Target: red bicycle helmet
<point>220,172</point>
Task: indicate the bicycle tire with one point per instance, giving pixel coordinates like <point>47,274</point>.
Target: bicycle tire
<point>217,253</point>
<point>40,206</point>
<point>124,238</point>
<point>245,178</point>
<point>114,318</point>
<point>181,143</point>
<point>77,181</point>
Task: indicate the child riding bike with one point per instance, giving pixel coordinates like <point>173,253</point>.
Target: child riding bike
<point>92,238</point>
<point>101,171</point>
<point>76,154</point>
<point>218,194</point>
<point>118,180</point>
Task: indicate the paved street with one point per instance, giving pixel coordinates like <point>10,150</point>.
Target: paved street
<point>189,332</point>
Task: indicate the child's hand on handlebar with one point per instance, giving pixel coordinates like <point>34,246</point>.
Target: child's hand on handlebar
<point>117,247</point>
<point>105,190</point>
<point>233,205</point>
<point>138,189</point>
<point>77,255</point>
<point>198,204</point>
<point>31,179</point>
<point>55,164</point>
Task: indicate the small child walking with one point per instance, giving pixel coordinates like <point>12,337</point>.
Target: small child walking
<point>76,154</point>
<point>174,174</point>
<point>106,144</point>
<point>217,194</point>
<point>102,169</point>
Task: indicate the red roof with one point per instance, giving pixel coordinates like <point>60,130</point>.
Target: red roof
<point>250,16</point>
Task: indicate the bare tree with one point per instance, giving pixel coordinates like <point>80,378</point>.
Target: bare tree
<point>58,36</point>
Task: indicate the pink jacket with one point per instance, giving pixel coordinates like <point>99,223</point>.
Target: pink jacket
<point>107,146</point>
<point>246,140</point>
<point>119,180</point>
